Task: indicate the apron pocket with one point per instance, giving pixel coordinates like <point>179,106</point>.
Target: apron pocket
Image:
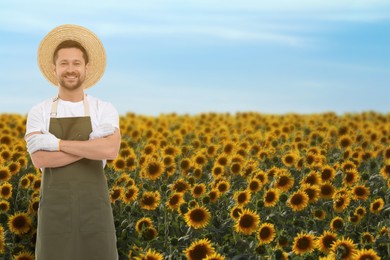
<point>95,214</point>
<point>55,212</point>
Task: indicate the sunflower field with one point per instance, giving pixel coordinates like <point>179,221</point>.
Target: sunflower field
<point>227,186</point>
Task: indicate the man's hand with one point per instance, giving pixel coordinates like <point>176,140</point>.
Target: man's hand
<point>45,141</point>
<point>102,131</point>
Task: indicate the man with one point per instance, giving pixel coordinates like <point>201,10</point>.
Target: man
<point>70,137</point>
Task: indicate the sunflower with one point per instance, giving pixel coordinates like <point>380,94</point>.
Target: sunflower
<point>384,231</point>
<point>116,193</point>
<point>175,200</point>
<point>254,185</point>
<point>242,197</point>
<point>168,160</point>
<point>345,141</point>
<point>129,182</point>
<point>14,167</point>
<point>360,192</point>
<point>336,223</point>
<point>222,160</point>
<point>327,190</point>
<point>198,190</point>
<point>131,162</point>
<point>5,174</point>
<point>247,222</point>
<point>180,185</point>
<point>19,223</point>
<point>303,243</point>
<point>149,233</point>
<point>312,191</point>
<point>150,200</point>
<point>262,177</point>
<point>199,159</point>
<point>313,178</point>
<point>228,147</point>
<point>266,233</point>
<point>348,165</point>
<point>217,171</point>
<point>211,149</point>
<point>124,178</point>
<point>152,169</point>
<point>284,181</point>
<point>377,205</point>
<point>171,150</point>
<point>143,223</point>
<point>149,149</point>
<point>223,186</point>
<point>199,249</point>
<point>236,168</point>
<point>366,254</point>
<point>385,170</point>
<point>150,255</point>
<point>214,195</point>
<point>185,164</point>
<point>343,249</point>
<point>2,240</point>
<point>25,182</point>
<point>250,167</point>
<point>24,255</point>
<point>367,238</point>
<point>354,218</point>
<point>325,241</point>
<point>235,212</point>
<point>360,211</point>
<point>4,205</point>
<point>119,164</point>
<point>34,205</point>
<point>319,214</point>
<point>197,217</point>
<point>341,202</point>
<point>130,195</point>
<point>327,173</point>
<point>298,200</point>
<point>290,159</point>
<point>197,173</point>
<point>215,256</point>
<point>271,197</point>
<point>6,190</point>
<point>351,176</point>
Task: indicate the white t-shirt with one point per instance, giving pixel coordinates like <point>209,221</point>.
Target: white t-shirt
<point>101,112</point>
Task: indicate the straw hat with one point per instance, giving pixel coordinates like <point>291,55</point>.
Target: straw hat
<point>91,43</point>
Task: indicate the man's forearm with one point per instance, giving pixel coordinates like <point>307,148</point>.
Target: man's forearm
<point>45,159</point>
<point>105,148</point>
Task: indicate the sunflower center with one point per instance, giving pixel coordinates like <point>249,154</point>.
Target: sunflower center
<point>265,233</point>
<point>297,199</point>
<point>19,222</point>
<point>303,243</point>
<point>270,197</point>
<point>328,241</point>
<point>199,252</point>
<point>241,198</point>
<point>153,169</point>
<point>246,221</point>
<point>148,200</point>
<point>197,215</point>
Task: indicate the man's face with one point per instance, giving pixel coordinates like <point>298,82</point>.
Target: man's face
<point>70,68</point>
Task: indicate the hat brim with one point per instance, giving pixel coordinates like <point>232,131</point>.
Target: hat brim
<point>91,43</point>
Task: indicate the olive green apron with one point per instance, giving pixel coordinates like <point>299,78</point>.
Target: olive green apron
<point>75,219</point>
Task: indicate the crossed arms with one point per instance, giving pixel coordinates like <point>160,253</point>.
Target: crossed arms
<point>54,153</point>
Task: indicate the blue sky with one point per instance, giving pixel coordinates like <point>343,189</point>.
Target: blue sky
<point>276,56</point>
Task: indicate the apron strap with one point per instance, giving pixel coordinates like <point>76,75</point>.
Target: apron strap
<point>54,106</point>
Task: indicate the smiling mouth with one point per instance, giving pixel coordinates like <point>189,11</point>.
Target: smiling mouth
<point>70,77</point>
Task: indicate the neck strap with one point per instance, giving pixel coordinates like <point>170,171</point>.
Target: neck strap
<point>54,106</point>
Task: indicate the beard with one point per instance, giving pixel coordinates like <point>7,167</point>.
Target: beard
<point>74,84</point>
